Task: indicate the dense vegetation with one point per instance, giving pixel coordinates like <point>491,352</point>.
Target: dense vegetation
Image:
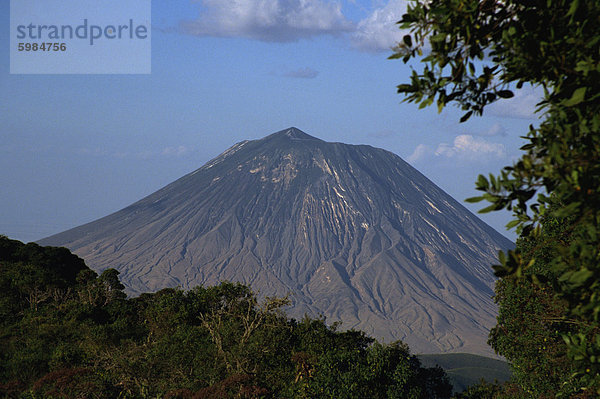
<point>533,320</point>
<point>475,53</point>
<point>66,332</point>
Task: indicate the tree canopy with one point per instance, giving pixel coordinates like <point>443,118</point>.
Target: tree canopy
<point>474,53</point>
<point>66,332</point>
<point>532,320</point>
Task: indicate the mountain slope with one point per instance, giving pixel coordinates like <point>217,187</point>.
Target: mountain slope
<point>352,232</point>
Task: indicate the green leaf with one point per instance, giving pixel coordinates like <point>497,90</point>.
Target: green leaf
<point>474,199</point>
<point>493,207</point>
<point>512,223</point>
<point>406,88</point>
<point>441,105</point>
<point>482,182</point>
<point>505,94</point>
<point>577,97</point>
<point>573,8</point>
<point>502,258</point>
<point>580,277</point>
<point>440,37</point>
<point>466,116</point>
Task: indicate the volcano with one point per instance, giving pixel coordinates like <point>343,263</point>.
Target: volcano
<point>350,232</point>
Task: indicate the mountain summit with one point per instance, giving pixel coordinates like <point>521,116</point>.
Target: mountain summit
<point>350,231</point>
<point>292,134</point>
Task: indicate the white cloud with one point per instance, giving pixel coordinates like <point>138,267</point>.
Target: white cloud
<point>495,130</point>
<point>379,31</point>
<point>464,148</point>
<point>146,154</point>
<point>291,20</point>
<point>422,151</point>
<point>522,105</point>
<point>175,151</point>
<point>468,147</point>
<point>269,20</point>
<point>302,73</point>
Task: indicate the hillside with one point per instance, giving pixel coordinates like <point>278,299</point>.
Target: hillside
<point>464,369</point>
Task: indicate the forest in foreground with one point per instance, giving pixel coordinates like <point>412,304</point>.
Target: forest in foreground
<point>66,332</point>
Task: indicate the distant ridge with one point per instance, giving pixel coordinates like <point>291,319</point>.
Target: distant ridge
<point>465,370</point>
<point>353,232</point>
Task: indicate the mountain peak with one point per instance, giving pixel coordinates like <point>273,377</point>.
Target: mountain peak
<point>292,133</point>
<point>352,232</point>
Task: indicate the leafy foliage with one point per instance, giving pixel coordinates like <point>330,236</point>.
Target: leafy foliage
<point>479,52</point>
<point>532,320</point>
<point>67,332</point>
<point>483,390</point>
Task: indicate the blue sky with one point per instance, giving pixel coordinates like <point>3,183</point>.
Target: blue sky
<point>74,148</point>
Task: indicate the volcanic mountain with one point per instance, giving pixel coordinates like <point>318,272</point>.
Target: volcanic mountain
<point>351,232</point>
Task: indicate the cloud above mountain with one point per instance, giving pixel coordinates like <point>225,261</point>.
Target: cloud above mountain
<point>467,146</point>
<point>291,20</point>
<point>464,147</point>
<point>521,106</point>
<point>379,31</point>
<point>269,20</point>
